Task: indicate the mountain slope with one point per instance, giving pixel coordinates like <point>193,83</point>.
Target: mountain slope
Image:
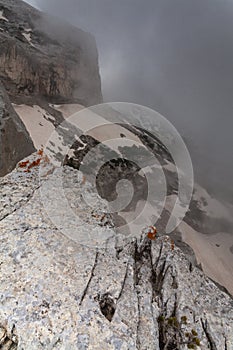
<point>42,61</point>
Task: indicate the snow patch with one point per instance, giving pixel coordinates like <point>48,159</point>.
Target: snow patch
<point>38,127</point>
<point>213,253</point>
<point>27,36</point>
<point>39,124</point>
<point>3,17</point>
<point>104,131</point>
<point>62,127</point>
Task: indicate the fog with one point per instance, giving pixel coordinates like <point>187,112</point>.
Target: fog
<point>175,56</point>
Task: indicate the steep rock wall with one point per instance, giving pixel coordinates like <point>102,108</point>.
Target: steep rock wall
<point>42,57</point>
<point>15,142</point>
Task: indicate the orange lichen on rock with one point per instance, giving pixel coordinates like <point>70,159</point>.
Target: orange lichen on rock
<point>40,159</point>
<point>40,152</point>
<point>23,164</point>
<point>151,234</point>
<point>29,165</point>
<point>34,163</point>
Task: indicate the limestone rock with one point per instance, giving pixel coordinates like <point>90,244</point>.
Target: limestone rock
<point>131,293</point>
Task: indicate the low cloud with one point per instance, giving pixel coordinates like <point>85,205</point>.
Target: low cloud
<point>175,56</point>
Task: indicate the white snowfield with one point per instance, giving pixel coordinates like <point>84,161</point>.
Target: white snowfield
<point>212,251</point>
<point>37,124</point>
<point>103,131</point>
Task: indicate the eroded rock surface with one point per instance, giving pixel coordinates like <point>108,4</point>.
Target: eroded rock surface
<point>132,293</point>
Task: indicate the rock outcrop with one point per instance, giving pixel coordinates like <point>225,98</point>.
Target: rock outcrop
<point>15,142</point>
<point>130,293</point>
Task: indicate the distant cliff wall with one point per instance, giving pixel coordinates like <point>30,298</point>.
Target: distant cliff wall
<point>41,56</point>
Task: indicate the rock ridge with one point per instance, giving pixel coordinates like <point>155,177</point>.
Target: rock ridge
<point>130,294</point>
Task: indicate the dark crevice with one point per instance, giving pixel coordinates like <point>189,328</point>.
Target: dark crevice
<point>123,283</point>
<point>138,326</point>
<point>107,306</point>
<point>190,267</point>
<point>174,312</point>
<point>174,282</point>
<point>89,281</point>
<point>137,262</point>
<point>137,259</point>
<point>226,347</point>
<point>159,279</point>
<point>159,257</point>
<point>153,273</point>
<point>208,335</point>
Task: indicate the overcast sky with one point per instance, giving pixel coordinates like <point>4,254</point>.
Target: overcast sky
<point>175,56</point>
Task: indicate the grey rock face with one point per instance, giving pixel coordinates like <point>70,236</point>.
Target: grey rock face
<point>15,142</point>
<point>133,293</point>
<point>44,58</point>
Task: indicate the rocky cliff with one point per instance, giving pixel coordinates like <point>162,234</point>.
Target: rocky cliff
<point>42,57</point>
<point>129,293</point>
<point>42,61</point>
<point>72,276</point>
<point>15,141</point>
